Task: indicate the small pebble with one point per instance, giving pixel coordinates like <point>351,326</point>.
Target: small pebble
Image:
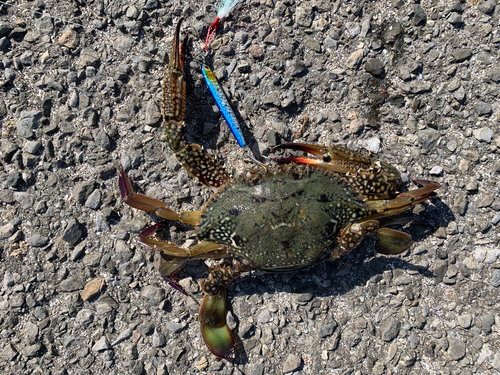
<point>373,144</point>
<point>356,126</point>
<point>256,51</point>
<point>496,219</point>
<point>436,170</point>
<point>292,363</point>
<point>484,134</point>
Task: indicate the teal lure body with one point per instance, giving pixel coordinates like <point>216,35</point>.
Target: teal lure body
<point>223,104</point>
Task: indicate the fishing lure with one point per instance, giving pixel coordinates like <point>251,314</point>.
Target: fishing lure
<point>224,7</point>
<point>223,104</point>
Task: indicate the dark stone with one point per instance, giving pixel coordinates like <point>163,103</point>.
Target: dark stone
<point>495,278</point>
<point>389,329</point>
<point>147,328</point>
<point>103,140</point>
<point>73,232</point>
<point>486,321</point>
<point>32,350</point>
<point>440,271</point>
<point>18,33</point>
<point>297,68</point>
<point>5,29</point>
<point>327,329</point>
<point>37,240</point>
<point>419,17</point>
<point>4,44</point>
<point>461,54</point>
<point>13,180</point>
<point>71,284</point>
<point>456,348</point>
<point>82,191</point>
<point>455,19</point>
<point>397,101</point>
<point>153,295</point>
<point>8,353</point>
<point>375,67</point>
<point>292,363</point>
<point>487,7</point>
<point>8,149</point>
<point>483,109</point>
<point>392,31</point>
<point>428,138</point>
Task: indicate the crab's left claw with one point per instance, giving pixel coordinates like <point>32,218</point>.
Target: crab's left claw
<point>214,329</point>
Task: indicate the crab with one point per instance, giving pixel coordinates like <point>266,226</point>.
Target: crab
<point>306,210</point>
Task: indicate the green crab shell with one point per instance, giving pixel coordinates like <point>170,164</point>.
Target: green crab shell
<point>281,219</point>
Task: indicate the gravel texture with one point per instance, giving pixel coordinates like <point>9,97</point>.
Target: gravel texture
<point>417,84</point>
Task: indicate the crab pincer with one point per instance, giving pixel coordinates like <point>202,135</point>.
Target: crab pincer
<point>214,329</point>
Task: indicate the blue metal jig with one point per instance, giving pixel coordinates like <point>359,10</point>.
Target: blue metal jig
<point>223,104</point>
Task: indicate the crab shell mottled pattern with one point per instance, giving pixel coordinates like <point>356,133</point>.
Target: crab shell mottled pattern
<point>282,219</point>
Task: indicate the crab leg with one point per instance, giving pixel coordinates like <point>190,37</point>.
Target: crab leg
<point>175,257</point>
<point>389,241</point>
<point>404,201</point>
<point>213,310</point>
<point>192,157</point>
<point>150,204</point>
<point>203,250</point>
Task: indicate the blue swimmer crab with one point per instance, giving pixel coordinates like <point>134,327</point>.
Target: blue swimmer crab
<point>273,219</point>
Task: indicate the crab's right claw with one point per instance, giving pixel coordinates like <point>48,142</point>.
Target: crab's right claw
<point>315,150</point>
<point>214,329</point>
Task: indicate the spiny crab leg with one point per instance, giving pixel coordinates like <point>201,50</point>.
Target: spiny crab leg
<point>175,257</point>
<point>192,157</point>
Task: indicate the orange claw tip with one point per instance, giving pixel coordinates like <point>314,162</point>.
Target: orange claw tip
<point>298,160</point>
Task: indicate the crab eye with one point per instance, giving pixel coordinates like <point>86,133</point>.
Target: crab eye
<point>327,158</point>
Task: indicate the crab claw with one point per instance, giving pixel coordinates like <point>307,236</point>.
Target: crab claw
<point>392,242</point>
<point>214,329</point>
<point>315,150</point>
